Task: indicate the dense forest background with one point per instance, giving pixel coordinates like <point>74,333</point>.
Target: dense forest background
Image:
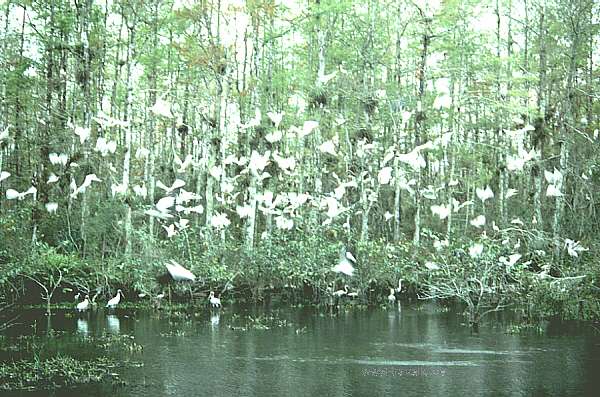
<point>251,140</point>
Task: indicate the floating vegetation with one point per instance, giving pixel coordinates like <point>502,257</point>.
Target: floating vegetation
<point>261,322</point>
<point>515,329</point>
<point>55,373</point>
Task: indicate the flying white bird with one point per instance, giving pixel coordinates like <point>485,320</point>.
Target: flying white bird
<point>86,183</point>
<point>176,185</point>
<point>198,209</point>
<point>484,194</point>
<point>510,261</point>
<point>326,78</point>
<point>553,191</point>
<point>276,118</point>
<point>442,211</point>
<point>12,194</point>
<point>162,108</point>
<point>328,147</point>
<point>554,178</point>
<point>511,192</point>
<point>274,136</point>
<point>254,122</point>
<point>475,250</point>
<point>432,266</point>
<point>219,220</point>
<point>413,158</point>
<point>286,164</point>
<point>52,178</point>
<point>118,189</point>
<point>307,128</point>
<point>346,263</point>
<point>170,230</point>
<point>479,221</point>
<point>142,153</point>
<point>104,146</point>
<point>574,247</point>
<point>4,175</point>
<point>284,223</point>
<point>183,164</point>
<point>4,134</point>
<point>51,207</point>
<point>82,133</point>
<point>178,272</point>
<point>140,191</point>
<point>385,175</point>
<point>58,159</point>
<point>258,161</point>
<point>457,205</point>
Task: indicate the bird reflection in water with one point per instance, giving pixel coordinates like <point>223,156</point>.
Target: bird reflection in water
<point>83,327</point>
<point>214,319</point>
<point>113,324</point>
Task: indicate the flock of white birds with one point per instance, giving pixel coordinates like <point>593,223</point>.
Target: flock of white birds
<point>177,202</point>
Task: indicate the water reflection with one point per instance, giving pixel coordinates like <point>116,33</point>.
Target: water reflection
<point>215,318</point>
<point>113,324</point>
<point>83,327</point>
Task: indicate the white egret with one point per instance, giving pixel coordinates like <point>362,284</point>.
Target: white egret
<point>484,194</point>
<point>341,292</point>
<point>84,305</point>
<point>214,302</point>
<point>4,175</point>
<point>113,302</point>
<point>346,263</point>
<point>399,289</point>
<point>391,297</point>
<point>178,272</point>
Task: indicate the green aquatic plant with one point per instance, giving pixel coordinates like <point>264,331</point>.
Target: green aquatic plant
<point>56,372</point>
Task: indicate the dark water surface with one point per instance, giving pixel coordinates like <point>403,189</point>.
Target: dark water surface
<point>418,351</point>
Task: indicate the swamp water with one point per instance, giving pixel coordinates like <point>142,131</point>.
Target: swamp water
<point>416,351</point>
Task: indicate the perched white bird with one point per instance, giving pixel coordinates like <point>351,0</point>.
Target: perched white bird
<point>84,305</point>
<point>391,297</point>
<point>214,302</point>
<point>346,263</point>
<point>178,272</point>
<point>113,302</point>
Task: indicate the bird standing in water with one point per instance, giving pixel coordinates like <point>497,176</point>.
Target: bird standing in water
<point>84,305</point>
<point>391,296</point>
<point>214,302</point>
<point>113,302</point>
